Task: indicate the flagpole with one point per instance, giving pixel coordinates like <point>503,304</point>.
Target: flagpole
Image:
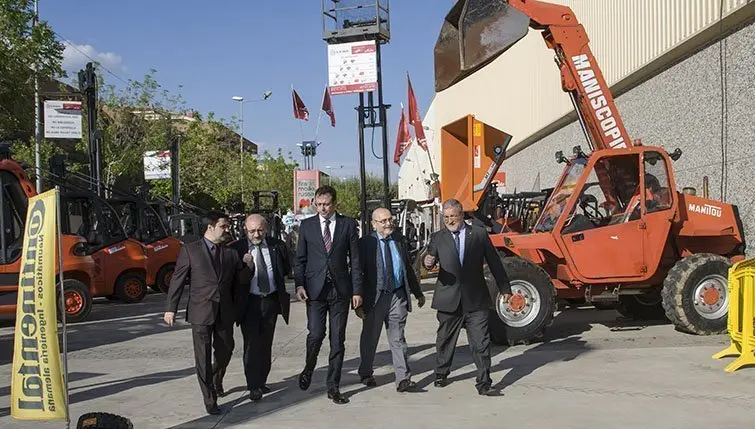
<point>317,131</point>
<point>62,305</point>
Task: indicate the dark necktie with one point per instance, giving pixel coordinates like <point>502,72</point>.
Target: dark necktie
<point>458,244</point>
<point>390,279</point>
<point>263,281</point>
<point>326,236</point>
<point>216,258</point>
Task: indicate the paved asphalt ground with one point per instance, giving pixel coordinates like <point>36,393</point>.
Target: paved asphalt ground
<point>594,371</point>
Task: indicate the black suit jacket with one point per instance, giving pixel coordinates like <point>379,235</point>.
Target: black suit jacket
<point>281,268</point>
<point>368,256</point>
<point>465,284</point>
<point>312,262</point>
<point>211,299</point>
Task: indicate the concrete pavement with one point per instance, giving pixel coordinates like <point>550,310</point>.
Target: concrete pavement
<point>594,371</point>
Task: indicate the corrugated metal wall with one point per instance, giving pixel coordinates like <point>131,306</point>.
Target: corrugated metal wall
<point>520,92</point>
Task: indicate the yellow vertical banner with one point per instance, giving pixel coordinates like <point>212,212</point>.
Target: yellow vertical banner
<point>37,387</point>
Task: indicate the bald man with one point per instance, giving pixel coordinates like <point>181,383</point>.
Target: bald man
<point>387,282</point>
<point>266,265</point>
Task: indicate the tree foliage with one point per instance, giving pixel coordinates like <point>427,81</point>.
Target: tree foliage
<point>22,47</point>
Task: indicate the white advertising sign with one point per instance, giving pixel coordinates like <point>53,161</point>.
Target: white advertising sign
<point>156,165</point>
<point>62,119</point>
<point>352,67</point>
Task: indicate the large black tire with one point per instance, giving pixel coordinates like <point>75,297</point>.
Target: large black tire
<point>103,421</point>
<point>163,277</point>
<point>647,306</point>
<point>706,313</point>
<point>523,276</point>
<point>131,287</point>
<point>77,300</point>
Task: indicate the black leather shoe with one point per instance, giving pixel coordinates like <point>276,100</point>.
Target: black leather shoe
<point>369,381</point>
<point>266,390</point>
<point>214,410</point>
<point>305,379</point>
<point>336,397</point>
<point>255,394</point>
<point>484,390</point>
<point>405,385</point>
<point>441,381</point>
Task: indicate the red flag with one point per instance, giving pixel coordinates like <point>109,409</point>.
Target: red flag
<point>414,117</point>
<point>327,106</point>
<point>300,110</point>
<point>403,139</point>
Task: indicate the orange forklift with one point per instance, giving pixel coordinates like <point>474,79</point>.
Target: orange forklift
<point>98,259</point>
<point>141,223</point>
<point>615,228</point>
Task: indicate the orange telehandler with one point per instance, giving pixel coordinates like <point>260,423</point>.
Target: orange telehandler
<point>614,227</point>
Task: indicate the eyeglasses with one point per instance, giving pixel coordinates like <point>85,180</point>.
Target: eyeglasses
<point>384,221</point>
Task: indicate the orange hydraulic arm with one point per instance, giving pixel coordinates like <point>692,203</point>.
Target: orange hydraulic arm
<point>484,29</point>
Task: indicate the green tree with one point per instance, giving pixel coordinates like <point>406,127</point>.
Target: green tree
<point>349,192</point>
<point>22,46</point>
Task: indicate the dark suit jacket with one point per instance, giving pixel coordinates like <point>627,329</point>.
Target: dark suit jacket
<point>368,256</point>
<point>465,284</point>
<point>210,297</point>
<point>312,262</point>
<point>281,268</point>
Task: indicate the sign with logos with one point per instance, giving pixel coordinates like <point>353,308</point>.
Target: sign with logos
<point>62,119</point>
<point>352,67</point>
<point>156,165</point>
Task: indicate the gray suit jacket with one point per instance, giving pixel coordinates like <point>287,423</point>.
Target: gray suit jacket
<point>466,284</point>
<point>211,297</point>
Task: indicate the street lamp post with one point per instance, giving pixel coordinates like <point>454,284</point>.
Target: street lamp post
<point>241,102</point>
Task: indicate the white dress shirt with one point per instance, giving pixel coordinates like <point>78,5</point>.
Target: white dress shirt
<point>332,225</point>
<point>254,288</point>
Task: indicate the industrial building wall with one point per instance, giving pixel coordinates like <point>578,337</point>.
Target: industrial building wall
<point>520,91</point>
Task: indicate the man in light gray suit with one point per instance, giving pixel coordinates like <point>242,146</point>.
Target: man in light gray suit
<point>387,280</point>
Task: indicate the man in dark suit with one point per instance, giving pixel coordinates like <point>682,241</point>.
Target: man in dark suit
<point>213,272</point>
<point>327,250</point>
<point>388,278</point>
<point>260,298</point>
<point>461,293</point>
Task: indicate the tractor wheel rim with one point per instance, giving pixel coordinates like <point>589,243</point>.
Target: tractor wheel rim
<point>133,288</point>
<point>74,302</point>
<point>523,307</point>
<point>711,297</point>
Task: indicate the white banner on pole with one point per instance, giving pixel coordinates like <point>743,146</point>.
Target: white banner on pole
<point>156,165</point>
<point>352,67</point>
<point>62,119</point>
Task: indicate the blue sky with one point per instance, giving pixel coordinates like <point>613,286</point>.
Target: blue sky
<point>244,47</point>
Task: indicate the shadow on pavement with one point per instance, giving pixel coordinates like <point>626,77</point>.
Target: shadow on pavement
<point>131,321</point>
<point>286,393</point>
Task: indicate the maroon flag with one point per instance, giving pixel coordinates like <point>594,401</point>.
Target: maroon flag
<point>327,107</point>
<point>403,139</point>
<point>300,110</point>
<point>414,117</point>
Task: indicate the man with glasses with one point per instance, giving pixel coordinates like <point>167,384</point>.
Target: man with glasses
<point>213,273</point>
<point>387,280</point>
<point>461,294</point>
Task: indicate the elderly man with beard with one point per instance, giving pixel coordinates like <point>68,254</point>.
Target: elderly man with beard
<point>260,298</point>
<point>461,294</point>
<point>387,281</point>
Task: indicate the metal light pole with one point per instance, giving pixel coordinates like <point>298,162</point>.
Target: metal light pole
<point>241,102</point>
<point>37,119</point>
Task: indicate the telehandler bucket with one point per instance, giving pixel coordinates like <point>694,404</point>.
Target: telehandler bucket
<point>474,33</point>
<point>472,153</point>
